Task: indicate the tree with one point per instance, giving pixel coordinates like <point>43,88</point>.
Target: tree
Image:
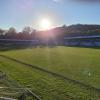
<point>11,32</point>
<point>33,34</point>
<point>1,31</point>
<point>27,30</point>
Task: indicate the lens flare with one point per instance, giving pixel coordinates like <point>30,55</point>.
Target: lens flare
<point>45,24</point>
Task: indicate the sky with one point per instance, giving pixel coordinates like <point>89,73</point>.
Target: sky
<point>21,13</point>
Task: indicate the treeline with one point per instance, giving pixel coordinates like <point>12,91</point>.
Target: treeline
<point>29,33</point>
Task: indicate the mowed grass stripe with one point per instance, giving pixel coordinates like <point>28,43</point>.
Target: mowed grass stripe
<point>71,90</point>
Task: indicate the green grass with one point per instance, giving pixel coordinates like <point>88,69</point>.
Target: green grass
<point>72,62</point>
<point>8,87</point>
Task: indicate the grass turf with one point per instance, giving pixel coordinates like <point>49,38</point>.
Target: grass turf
<point>81,64</point>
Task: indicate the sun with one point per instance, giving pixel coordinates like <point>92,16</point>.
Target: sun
<point>45,24</point>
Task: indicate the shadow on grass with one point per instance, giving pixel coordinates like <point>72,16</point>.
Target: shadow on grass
<point>7,48</point>
<point>92,47</point>
<point>17,47</point>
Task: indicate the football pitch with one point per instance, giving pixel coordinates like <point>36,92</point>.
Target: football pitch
<point>55,73</point>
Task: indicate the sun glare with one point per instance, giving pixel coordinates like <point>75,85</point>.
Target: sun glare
<point>45,24</point>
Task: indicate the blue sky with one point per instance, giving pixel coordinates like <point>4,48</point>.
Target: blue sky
<point>20,13</point>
